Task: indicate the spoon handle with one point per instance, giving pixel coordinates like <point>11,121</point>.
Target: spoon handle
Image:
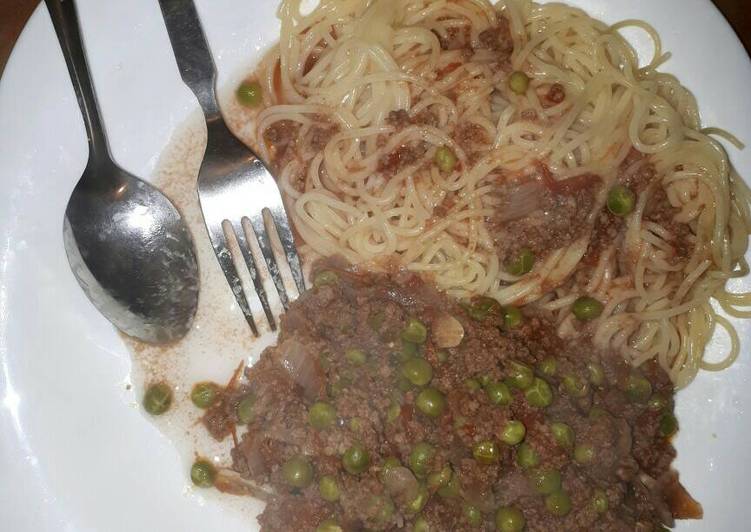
<point>192,52</point>
<point>65,21</point>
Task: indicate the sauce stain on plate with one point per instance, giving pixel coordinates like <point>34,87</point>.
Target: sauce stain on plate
<point>220,337</point>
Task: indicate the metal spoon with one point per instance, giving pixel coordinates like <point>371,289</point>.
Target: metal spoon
<point>126,243</point>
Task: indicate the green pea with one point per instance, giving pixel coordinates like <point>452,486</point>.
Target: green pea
<point>558,503</point>
<point>472,385</point>
<point>321,415</point>
<point>638,388</point>
<point>522,263</point>
<point>486,452</point>
<point>329,525</point>
<point>204,394</point>
<point>512,317</point>
<point>244,409</point>
<point>621,200</point>
<point>657,402</point>
<point>472,515</point>
<point>328,487</point>
<point>509,519</point>
<point>548,367</point>
<point>440,478</point>
<point>420,458</point>
<point>545,481</point>
<point>600,501</point>
<point>445,159</point>
<point>518,82</point>
<point>202,474</point>
<point>297,472</point>
<point>521,375</point>
<point>498,393</point>
<point>415,332</point>
<point>325,277</point>
<point>157,399</point>
<point>451,490</point>
<point>575,386</point>
<point>390,462</point>
<point>356,459</point>
<point>418,371</point>
<point>420,525</point>
<point>381,509</point>
<point>394,411</point>
<point>250,94</point>
<point>563,435</point>
<point>526,456</point>
<point>419,502</point>
<point>513,432</point>
<point>356,356</point>
<point>596,374</point>
<point>539,394</point>
<point>584,454</point>
<point>484,380</point>
<point>668,425</point>
<point>431,402</point>
<point>587,308</point>
<point>442,355</point>
<point>482,307</point>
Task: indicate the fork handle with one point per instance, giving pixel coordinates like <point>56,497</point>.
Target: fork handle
<point>192,52</point>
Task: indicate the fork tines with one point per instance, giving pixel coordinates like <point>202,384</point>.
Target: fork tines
<point>242,207</point>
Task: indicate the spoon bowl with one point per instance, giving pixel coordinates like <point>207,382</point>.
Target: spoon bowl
<point>132,254</point>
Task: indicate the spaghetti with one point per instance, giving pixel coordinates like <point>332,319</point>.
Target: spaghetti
<point>360,95</point>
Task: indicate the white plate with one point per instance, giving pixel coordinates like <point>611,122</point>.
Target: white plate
<point>75,451</point>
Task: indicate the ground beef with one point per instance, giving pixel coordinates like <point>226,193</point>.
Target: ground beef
<point>403,156</point>
<point>639,174</point>
<point>400,119</point>
<point>377,407</point>
<point>636,171</point>
<point>320,134</point>
<point>456,38</point>
<point>555,95</point>
<point>608,231</point>
<point>556,218</point>
<point>660,211</point>
<point>495,38</point>
<point>281,138</point>
<point>473,139</point>
<point>498,38</point>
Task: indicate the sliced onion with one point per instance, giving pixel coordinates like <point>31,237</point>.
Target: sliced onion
<point>447,331</point>
<point>521,201</point>
<point>229,481</point>
<point>302,366</point>
<point>250,451</point>
<point>401,484</point>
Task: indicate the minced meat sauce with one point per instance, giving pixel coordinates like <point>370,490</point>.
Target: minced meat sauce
<point>385,406</point>
<point>541,214</point>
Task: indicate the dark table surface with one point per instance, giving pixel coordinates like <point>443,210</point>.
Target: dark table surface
<point>14,13</point>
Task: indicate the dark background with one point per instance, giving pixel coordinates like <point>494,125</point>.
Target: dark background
<point>14,13</point>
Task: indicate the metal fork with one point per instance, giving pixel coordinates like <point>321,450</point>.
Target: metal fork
<point>233,183</point>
